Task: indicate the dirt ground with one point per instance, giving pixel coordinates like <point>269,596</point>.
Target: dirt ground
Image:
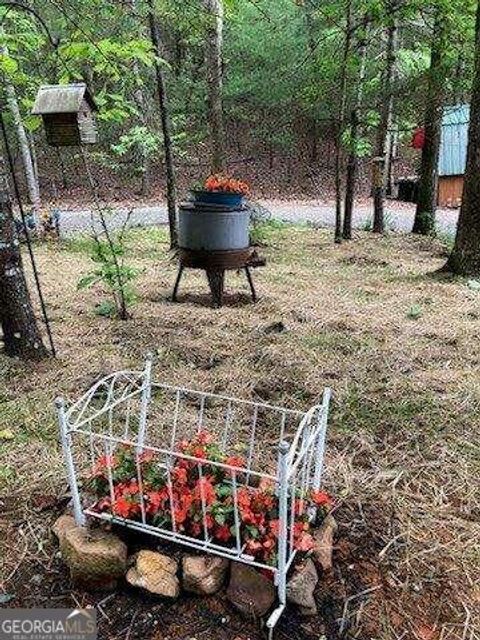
<point>399,346</point>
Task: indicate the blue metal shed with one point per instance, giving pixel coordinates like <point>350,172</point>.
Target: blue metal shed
<point>453,146</point>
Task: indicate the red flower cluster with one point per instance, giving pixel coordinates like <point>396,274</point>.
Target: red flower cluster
<point>196,497</point>
<point>219,182</point>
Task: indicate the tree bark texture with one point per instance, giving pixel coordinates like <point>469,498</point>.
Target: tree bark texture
<point>424,222</point>
<point>139,97</point>
<point>22,138</point>
<point>382,151</point>
<point>342,100</point>
<point>465,257</point>
<point>166,127</point>
<point>214,64</point>
<point>352,164</point>
<point>21,336</point>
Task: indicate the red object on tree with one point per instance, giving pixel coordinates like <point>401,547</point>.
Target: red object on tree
<point>418,138</point>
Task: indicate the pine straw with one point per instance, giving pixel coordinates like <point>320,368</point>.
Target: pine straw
<point>403,453</point>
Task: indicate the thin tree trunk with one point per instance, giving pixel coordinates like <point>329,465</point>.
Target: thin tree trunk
<point>312,46</point>
<point>141,103</point>
<point>465,257</point>
<point>21,336</point>
<point>213,58</point>
<point>381,170</point>
<point>342,100</point>
<point>28,166</point>
<point>166,127</point>
<point>424,222</point>
<point>352,165</point>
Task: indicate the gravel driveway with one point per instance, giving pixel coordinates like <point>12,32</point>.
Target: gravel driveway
<point>399,216</point>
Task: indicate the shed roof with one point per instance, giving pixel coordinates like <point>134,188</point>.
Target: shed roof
<point>454,140</point>
<point>62,98</point>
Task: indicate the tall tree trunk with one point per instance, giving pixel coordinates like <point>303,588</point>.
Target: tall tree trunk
<point>213,58</point>
<point>312,125</point>
<point>166,127</point>
<point>342,101</point>
<point>465,256</point>
<point>28,165</point>
<point>21,336</point>
<point>424,222</point>
<point>139,97</point>
<point>382,147</point>
<point>352,165</point>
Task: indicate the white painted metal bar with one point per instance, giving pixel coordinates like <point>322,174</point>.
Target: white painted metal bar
<point>201,413</point>
<point>175,419</point>
<point>202,500</point>
<point>108,459</point>
<point>236,517</point>
<point>140,487</point>
<point>226,431</point>
<point>320,442</point>
<point>146,390</point>
<point>66,440</point>
<point>170,498</point>
<point>282,527</point>
<point>251,446</point>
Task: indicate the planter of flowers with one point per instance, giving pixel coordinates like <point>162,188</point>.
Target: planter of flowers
<point>217,218</point>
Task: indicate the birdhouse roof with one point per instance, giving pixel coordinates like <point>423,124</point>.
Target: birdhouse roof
<point>62,98</point>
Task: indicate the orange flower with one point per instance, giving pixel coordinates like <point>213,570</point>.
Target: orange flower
<point>226,184</point>
<point>321,499</point>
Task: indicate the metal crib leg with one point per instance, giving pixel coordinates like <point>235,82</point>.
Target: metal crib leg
<point>66,440</point>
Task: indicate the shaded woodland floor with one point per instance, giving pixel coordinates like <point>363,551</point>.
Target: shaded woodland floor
<point>399,347</point>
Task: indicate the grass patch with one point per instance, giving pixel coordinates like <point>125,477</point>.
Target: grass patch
<point>402,437</point>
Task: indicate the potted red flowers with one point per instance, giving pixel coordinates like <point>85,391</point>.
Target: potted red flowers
<point>217,219</point>
<point>222,190</point>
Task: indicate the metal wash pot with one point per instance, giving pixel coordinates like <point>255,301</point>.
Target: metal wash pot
<point>213,228</point>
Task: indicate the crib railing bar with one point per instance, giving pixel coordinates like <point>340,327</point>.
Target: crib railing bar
<point>251,446</point>
<point>176,454</point>
<point>202,500</point>
<point>283,423</point>
<point>108,459</point>
<point>140,487</point>
<point>305,450</point>
<point>282,523</point>
<point>310,457</point>
<point>92,451</point>
<point>293,506</point>
<point>200,414</point>
<point>175,419</point>
<point>126,430</point>
<point>320,441</point>
<point>146,391</point>
<point>236,516</point>
<point>170,497</point>
<point>226,430</point>
<point>229,398</point>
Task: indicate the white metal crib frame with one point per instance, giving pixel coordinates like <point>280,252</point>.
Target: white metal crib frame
<point>298,469</point>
